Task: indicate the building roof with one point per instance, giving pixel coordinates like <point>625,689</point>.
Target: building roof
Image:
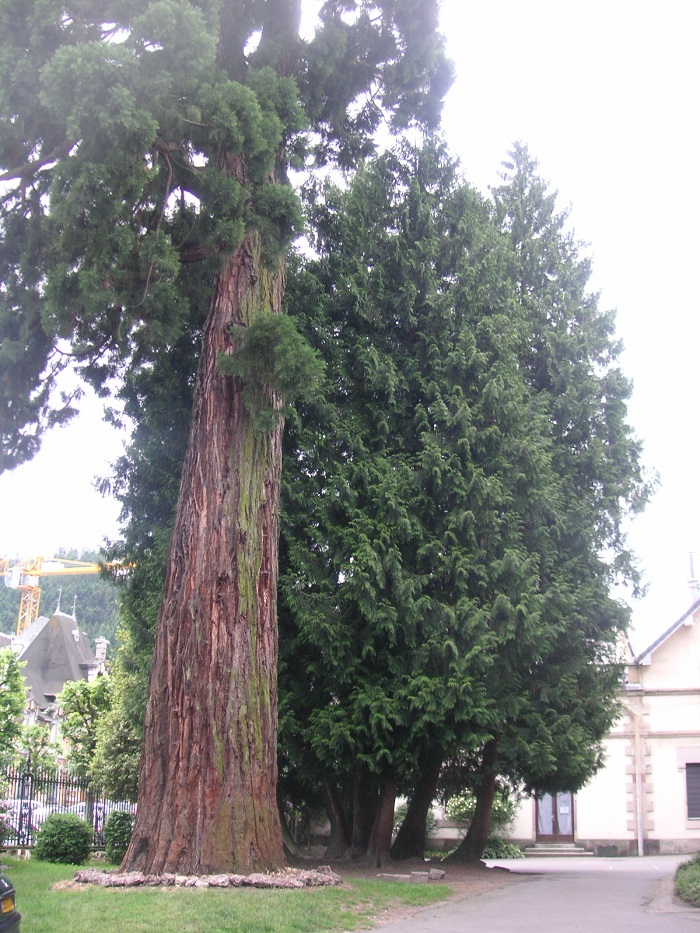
<point>686,619</point>
<point>55,651</point>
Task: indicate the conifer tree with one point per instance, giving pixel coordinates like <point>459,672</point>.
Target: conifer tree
<point>397,498</point>
<point>561,676</point>
<point>445,589</point>
<point>137,140</point>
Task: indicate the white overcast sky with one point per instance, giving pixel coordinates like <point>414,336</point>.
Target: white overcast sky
<point>605,95</point>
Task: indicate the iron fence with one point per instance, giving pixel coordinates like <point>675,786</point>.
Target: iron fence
<point>29,796</point>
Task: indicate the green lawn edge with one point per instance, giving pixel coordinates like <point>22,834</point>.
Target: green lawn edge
<point>352,906</point>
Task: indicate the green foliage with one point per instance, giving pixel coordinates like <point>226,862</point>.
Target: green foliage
<point>83,705</point>
<point>119,731</point>
<point>380,642</point>
<point>34,748</point>
<point>118,830</point>
<point>115,766</point>
<point>65,838</point>
<point>452,507</point>
<point>687,881</point>
<point>276,364</point>
<point>499,848</point>
<point>13,694</point>
<point>131,158</point>
<point>460,809</point>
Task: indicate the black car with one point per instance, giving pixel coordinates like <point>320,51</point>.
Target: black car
<point>9,916</point>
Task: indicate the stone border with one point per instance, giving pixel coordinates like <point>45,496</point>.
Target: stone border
<point>286,878</point>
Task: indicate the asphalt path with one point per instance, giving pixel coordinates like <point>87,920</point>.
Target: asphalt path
<point>572,895</point>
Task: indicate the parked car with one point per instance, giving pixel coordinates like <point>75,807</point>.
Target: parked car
<point>100,811</point>
<point>22,816</point>
<point>9,915</point>
<point>101,808</point>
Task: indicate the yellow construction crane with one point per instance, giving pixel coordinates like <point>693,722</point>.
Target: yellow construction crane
<point>23,575</point>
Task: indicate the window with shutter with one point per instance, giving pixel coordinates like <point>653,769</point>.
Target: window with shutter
<point>692,786</point>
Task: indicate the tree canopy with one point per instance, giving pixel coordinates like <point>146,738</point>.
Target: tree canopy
<point>443,587</point>
<point>117,119</point>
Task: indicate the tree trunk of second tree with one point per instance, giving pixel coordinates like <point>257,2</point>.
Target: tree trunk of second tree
<point>380,838</point>
<point>339,845</point>
<point>208,768</point>
<point>410,839</point>
<point>365,801</point>
<point>471,848</point>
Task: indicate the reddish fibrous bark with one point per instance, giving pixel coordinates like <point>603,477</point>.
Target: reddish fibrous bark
<point>208,769</point>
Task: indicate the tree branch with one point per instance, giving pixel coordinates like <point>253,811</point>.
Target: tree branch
<point>28,168</point>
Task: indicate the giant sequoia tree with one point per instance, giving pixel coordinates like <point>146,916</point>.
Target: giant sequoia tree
<point>139,140</point>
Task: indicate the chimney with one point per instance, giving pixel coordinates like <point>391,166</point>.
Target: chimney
<point>101,649</point>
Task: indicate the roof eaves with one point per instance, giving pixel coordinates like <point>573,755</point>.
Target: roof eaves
<point>646,654</point>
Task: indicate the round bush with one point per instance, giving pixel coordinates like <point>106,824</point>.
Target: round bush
<point>118,830</point>
<point>65,838</point>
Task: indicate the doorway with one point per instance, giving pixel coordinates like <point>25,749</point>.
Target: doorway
<point>555,817</point>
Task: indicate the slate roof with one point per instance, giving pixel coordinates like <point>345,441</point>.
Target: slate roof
<point>55,651</point>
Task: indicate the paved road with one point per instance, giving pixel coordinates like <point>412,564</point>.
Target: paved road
<point>573,895</point>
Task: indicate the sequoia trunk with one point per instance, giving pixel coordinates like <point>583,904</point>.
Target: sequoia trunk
<point>208,768</point>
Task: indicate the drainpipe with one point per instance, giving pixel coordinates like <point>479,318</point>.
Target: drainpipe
<point>639,804</point>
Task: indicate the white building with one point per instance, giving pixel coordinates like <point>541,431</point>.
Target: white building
<point>646,798</point>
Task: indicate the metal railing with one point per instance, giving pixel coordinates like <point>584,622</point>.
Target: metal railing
<point>29,796</point>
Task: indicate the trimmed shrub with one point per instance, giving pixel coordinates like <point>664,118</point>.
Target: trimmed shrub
<point>118,830</point>
<point>64,838</point>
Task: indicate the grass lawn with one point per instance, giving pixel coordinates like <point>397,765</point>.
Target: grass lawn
<point>688,881</point>
<point>204,910</point>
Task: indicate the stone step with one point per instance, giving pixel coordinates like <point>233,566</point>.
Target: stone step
<point>555,850</point>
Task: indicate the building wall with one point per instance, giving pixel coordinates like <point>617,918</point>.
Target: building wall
<point>641,790</point>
